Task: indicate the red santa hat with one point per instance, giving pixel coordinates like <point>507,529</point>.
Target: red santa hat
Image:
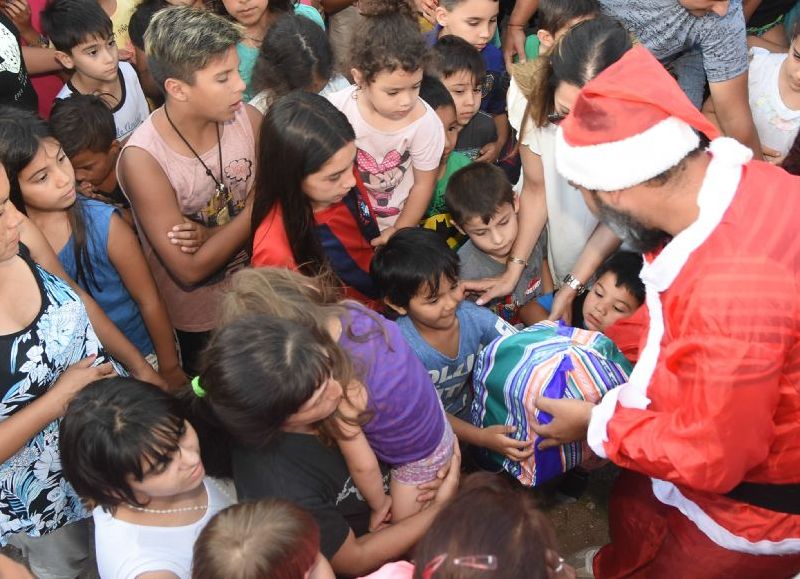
<point>629,124</point>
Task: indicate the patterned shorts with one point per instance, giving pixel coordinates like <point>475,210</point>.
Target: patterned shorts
<point>424,470</point>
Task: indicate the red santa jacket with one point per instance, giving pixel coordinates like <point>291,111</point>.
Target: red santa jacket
<point>715,397</point>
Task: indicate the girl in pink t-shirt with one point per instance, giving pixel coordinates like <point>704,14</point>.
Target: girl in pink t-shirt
<point>399,138</point>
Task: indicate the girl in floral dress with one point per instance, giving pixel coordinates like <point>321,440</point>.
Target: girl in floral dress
<point>48,351</point>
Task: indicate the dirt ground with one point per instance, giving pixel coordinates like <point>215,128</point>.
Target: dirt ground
<point>584,522</point>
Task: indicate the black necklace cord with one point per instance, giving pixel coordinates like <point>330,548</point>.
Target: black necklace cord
<point>220,186</point>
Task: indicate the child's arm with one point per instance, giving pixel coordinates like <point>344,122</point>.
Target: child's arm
<point>360,555</point>
<point>495,438</point>
<point>363,466</point>
<point>490,152</point>
<point>419,197</point>
<point>24,424</point>
<point>154,202</point>
<point>361,460</point>
<point>532,218</point>
<point>112,339</point>
<point>127,257</point>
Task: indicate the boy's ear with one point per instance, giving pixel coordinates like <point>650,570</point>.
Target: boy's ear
<point>176,89</point>
<point>441,15</point>
<point>546,39</point>
<point>64,59</point>
<point>400,311</point>
<point>114,148</point>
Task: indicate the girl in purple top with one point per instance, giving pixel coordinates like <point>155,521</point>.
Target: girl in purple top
<point>389,408</point>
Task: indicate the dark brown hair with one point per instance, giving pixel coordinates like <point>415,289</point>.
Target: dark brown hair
<point>488,517</point>
<point>387,41</point>
<point>584,52</point>
<point>477,190</point>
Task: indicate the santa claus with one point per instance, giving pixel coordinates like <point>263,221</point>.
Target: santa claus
<point>707,431</point>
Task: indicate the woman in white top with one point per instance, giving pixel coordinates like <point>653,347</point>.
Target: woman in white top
<point>130,454</point>
<point>539,98</point>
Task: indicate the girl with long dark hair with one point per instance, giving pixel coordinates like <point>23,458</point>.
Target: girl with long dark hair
<point>309,212</point>
<point>94,244</point>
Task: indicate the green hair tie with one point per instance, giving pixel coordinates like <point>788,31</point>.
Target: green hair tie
<point>198,390</point>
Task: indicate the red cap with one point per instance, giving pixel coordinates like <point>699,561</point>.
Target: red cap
<point>629,124</point>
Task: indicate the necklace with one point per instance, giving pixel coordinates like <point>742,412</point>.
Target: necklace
<point>167,511</point>
<point>221,189</point>
<point>225,493</point>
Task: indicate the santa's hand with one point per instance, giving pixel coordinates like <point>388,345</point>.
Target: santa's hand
<point>569,424</point>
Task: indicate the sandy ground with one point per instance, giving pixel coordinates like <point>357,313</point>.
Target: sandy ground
<point>582,523</point>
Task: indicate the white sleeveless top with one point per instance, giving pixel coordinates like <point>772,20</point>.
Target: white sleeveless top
<point>126,550</point>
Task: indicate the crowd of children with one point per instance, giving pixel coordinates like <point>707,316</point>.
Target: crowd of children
<point>241,264</point>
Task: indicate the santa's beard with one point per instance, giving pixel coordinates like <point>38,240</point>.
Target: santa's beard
<point>640,238</point>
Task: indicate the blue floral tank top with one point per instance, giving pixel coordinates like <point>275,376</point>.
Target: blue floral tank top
<point>35,498</point>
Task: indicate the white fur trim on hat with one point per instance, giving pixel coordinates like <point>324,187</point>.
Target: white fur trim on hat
<point>631,161</point>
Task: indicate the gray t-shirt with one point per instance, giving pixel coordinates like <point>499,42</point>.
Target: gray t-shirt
<point>668,30</point>
<point>477,265</point>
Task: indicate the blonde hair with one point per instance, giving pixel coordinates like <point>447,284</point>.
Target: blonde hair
<point>283,293</point>
<point>271,538</point>
<point>181,40</point>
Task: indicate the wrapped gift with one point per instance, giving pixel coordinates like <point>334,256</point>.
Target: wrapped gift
<point>547,359</point>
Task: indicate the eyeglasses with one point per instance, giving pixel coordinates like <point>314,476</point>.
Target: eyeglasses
<point>556,118</point>
<point>479,562</point>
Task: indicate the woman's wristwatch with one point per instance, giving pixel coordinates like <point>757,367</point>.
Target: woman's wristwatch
<point>573,282</point>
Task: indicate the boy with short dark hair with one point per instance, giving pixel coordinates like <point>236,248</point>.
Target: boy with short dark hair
<point>83,36</point>
<point>476,22</point>
<point>460,68</point>
<point>616,294</point>
<point>84,126</point>
<point>484,207</point>
<point>556,17</point>
<point>417,275</point>
<point>433,92</point>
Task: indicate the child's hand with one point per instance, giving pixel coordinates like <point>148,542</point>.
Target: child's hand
<point>428,9</point>
<point>490,288</point>
<point>562,304</point>
<point>86,189</point>
<point>74,379</point>
<point>175,377</point>
<point>378,519</point>
<point>772,156</point>
<point>489,152</point>
<point>384,237</point>
<point>188,236</point>
<point>19,12</point>
<point>496,438</point>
